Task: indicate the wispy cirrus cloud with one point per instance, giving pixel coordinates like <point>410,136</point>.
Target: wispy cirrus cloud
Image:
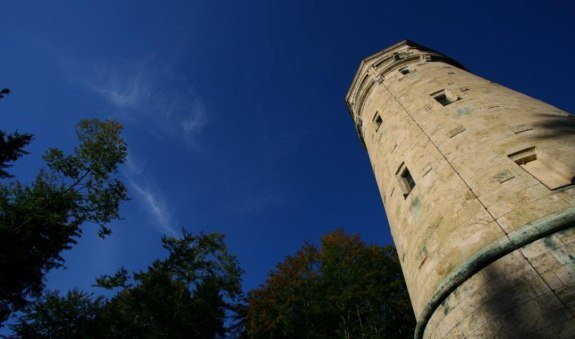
<point>151,197</point>
<point>146,92</point>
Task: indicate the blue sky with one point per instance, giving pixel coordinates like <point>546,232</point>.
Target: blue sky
<point>234,111</point>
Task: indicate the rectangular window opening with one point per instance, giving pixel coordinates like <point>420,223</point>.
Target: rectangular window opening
<point>404,70</point>
<point>406,181</point>
<point>378,121</point>
<point>406,176</point>
<point>444,97</point>
<point>546,171</point>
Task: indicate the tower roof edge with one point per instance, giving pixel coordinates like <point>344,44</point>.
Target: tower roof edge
<point>388,54</point>
<point>402,43</point>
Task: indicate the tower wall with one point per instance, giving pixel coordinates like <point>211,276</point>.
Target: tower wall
<point>477,184</point>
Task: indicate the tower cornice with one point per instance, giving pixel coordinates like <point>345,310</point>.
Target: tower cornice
<point>376,67</point>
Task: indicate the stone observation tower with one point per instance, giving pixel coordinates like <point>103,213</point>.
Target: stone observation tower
<point>478,186</point>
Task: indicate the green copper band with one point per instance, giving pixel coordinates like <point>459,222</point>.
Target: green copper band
<point>529,233</point>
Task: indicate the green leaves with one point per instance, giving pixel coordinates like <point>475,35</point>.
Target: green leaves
<point>53,316</point>
<point>190,294</point>
<point>197,258</point>
<point>101,147</point>
<point>119,279</point>
<point>39,220</point>
<point>89,169</point>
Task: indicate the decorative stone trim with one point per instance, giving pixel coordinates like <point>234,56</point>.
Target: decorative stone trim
<point>529,233</point>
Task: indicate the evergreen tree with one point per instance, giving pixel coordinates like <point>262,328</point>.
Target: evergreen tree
<point>11,145</point>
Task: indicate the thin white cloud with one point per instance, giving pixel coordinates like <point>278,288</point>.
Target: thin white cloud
<point>150,196</point>
<point>145,92</point>
<point>156,207</point>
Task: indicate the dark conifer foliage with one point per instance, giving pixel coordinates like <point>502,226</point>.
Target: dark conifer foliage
<point>11,145</point>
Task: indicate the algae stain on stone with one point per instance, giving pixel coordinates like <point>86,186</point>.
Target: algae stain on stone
<point>415,207</point>
<point>549,243</point>
<point>446,307</point>
<point>463,111</point>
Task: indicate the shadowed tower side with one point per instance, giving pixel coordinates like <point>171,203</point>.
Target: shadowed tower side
<point>477,184</point>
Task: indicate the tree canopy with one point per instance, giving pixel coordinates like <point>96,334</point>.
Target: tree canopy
<point>190,294</point>
<point>54,315</point>
<point>341,289</point>
<point>41,219</point>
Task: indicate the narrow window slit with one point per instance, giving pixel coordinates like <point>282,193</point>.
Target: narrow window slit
<point>377,120</point>
<point>406,181</point>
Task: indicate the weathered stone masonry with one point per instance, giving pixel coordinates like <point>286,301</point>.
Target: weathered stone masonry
<point>477,183</point>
